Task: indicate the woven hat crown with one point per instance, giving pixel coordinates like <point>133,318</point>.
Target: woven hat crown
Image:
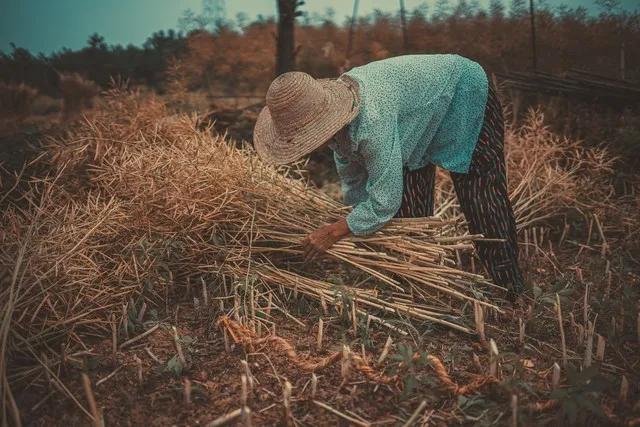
<point>294,100</point>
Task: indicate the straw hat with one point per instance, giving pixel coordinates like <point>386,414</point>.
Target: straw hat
<point>302,113</point>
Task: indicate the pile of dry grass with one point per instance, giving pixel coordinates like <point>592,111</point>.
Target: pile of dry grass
<point>142,205</point>
<point>547,175</point>
<point>16,99</point>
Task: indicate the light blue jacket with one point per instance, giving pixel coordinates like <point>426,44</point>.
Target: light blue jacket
<point>414,110</point>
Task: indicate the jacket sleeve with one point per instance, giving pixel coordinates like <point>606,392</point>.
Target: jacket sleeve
<point>383,163</point>
<point>353,179</point>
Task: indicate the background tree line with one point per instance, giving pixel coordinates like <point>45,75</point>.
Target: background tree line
<point>237,55</point>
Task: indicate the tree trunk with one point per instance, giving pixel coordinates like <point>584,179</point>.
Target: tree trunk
<point>285,43</point>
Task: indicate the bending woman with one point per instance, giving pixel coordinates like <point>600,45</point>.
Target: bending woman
<point>389,124</point>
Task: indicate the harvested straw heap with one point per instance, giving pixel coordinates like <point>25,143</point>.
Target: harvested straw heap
<point>141,205</point>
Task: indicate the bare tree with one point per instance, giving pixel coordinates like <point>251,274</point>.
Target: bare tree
<point>285,42</point>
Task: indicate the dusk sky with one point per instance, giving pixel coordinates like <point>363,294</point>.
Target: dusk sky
<point>48,25</point>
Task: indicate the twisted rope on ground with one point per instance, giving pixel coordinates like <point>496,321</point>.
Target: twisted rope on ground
<point>450,385</point>
<point>243,335</point>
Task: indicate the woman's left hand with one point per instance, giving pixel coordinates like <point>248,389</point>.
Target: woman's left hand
<point>323,238</point>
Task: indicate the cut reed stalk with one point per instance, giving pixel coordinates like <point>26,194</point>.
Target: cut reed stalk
<point>588,351</point>
<point>351,420</point>
<point>139,376</point>
<point>345,362</point>
<point>314,385</point>
<point>248,374</point>
<point>585,305</point>
<point>225,419</point>
<point>187,392</point>
<point>176,341</point>
<point>479,320</point>
<point>416,414</point>
<point>91,400</point>
<point>563,343</point>
<point>227,344</point>
<point>493,358</point>
<point>600,347</point>
<point>114,338</point>
<point>320,334</point>
<point>385,350</point>
<point>286,401</point>
<point>624,390</point>
<point>244,392</point>
<point>555,376</point>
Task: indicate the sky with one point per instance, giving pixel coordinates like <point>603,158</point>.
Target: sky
<point>48,25</point>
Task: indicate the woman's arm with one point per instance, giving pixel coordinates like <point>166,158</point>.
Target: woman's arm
<point>323,238</point>
<point>383,162</point>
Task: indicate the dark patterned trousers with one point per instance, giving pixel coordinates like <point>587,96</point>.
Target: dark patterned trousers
<point>483,197</point>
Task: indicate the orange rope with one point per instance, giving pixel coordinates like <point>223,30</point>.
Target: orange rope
<point>451,386</point>
<point>243,335</point>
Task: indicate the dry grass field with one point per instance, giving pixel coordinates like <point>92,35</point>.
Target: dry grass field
<point>152,275</point>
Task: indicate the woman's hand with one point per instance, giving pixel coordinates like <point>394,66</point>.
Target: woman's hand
<point>323,238</point>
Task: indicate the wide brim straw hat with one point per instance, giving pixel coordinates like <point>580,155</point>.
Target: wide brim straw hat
<point>302,114</point>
